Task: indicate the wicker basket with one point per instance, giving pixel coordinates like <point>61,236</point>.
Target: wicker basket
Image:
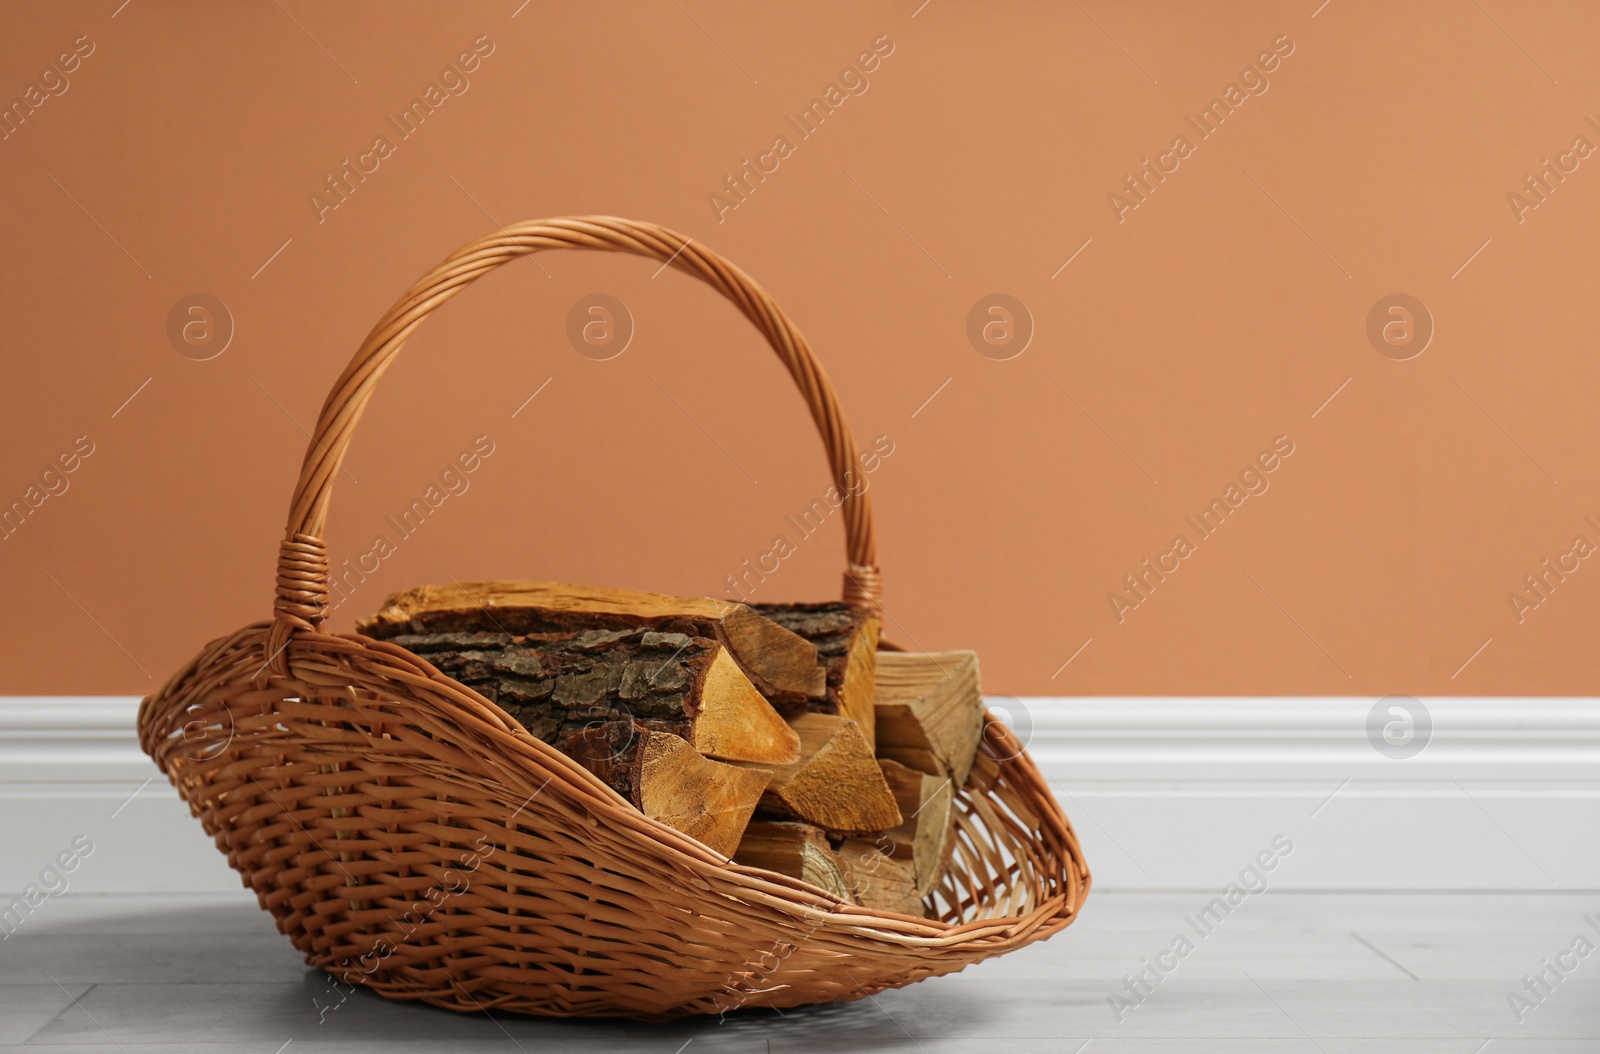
<point>408,836</point>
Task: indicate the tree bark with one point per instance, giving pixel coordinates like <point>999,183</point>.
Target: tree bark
<point>782,665</point>
<point>557,685</point>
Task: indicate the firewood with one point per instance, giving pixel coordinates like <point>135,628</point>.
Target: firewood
<point>930,711</point>
<point>558,684</point>
<point>836,784</point>
<point>923,838</point>
<point>781,664</point>
<point>667,780</point>
<point>846,639</point>
<point>877,880</point>
<point>794,849</point>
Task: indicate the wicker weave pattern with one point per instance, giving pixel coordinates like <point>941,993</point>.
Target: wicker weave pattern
<point>408,836</point>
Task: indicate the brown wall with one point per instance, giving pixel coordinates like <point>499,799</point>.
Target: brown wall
<point>1215,317</point>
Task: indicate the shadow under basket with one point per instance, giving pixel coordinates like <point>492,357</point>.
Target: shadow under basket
<point>407,835</point>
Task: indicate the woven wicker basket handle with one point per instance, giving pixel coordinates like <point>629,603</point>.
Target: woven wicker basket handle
<point>303,582</point>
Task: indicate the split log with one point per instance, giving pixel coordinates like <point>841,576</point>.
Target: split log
<point>782,665</point>
<point>846,639</point>
<point>930,711</point>
<point>923,839</point>
<point>836,784</point>
<point>794,849</point>
<point>668,780</point>
<point>877,880</point>
<point>559,684</point>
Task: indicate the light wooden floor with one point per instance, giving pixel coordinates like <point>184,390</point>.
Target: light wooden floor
<point>1286,973</point>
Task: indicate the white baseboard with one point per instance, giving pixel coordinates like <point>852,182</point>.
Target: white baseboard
<point>1164,793</point>
<point>1171,793</point>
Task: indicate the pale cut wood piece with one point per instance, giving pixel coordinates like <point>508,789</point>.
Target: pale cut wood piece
<point>668,780</point>
<point>858,689</point>
<point>707,800</point>
<point>846,639</point>
<point>782,664</point>
<point>930,711</point>
<point>794,849</point>
<point>736,721</point>
<point>836,784</point>
<point>879,881</point>
<point>558,684</point>
<point>923,839</point>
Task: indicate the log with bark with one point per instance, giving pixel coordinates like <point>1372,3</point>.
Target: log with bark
<point>835,784</point>
<point>783,665</point>
<point>669,701</point>
<point>846,639</point>
<point>668,780</point>
<point>879,881</point>
<point>794,849</point>
<point>923,839</point>
<point>557,685</point>
<point>930,711</point>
